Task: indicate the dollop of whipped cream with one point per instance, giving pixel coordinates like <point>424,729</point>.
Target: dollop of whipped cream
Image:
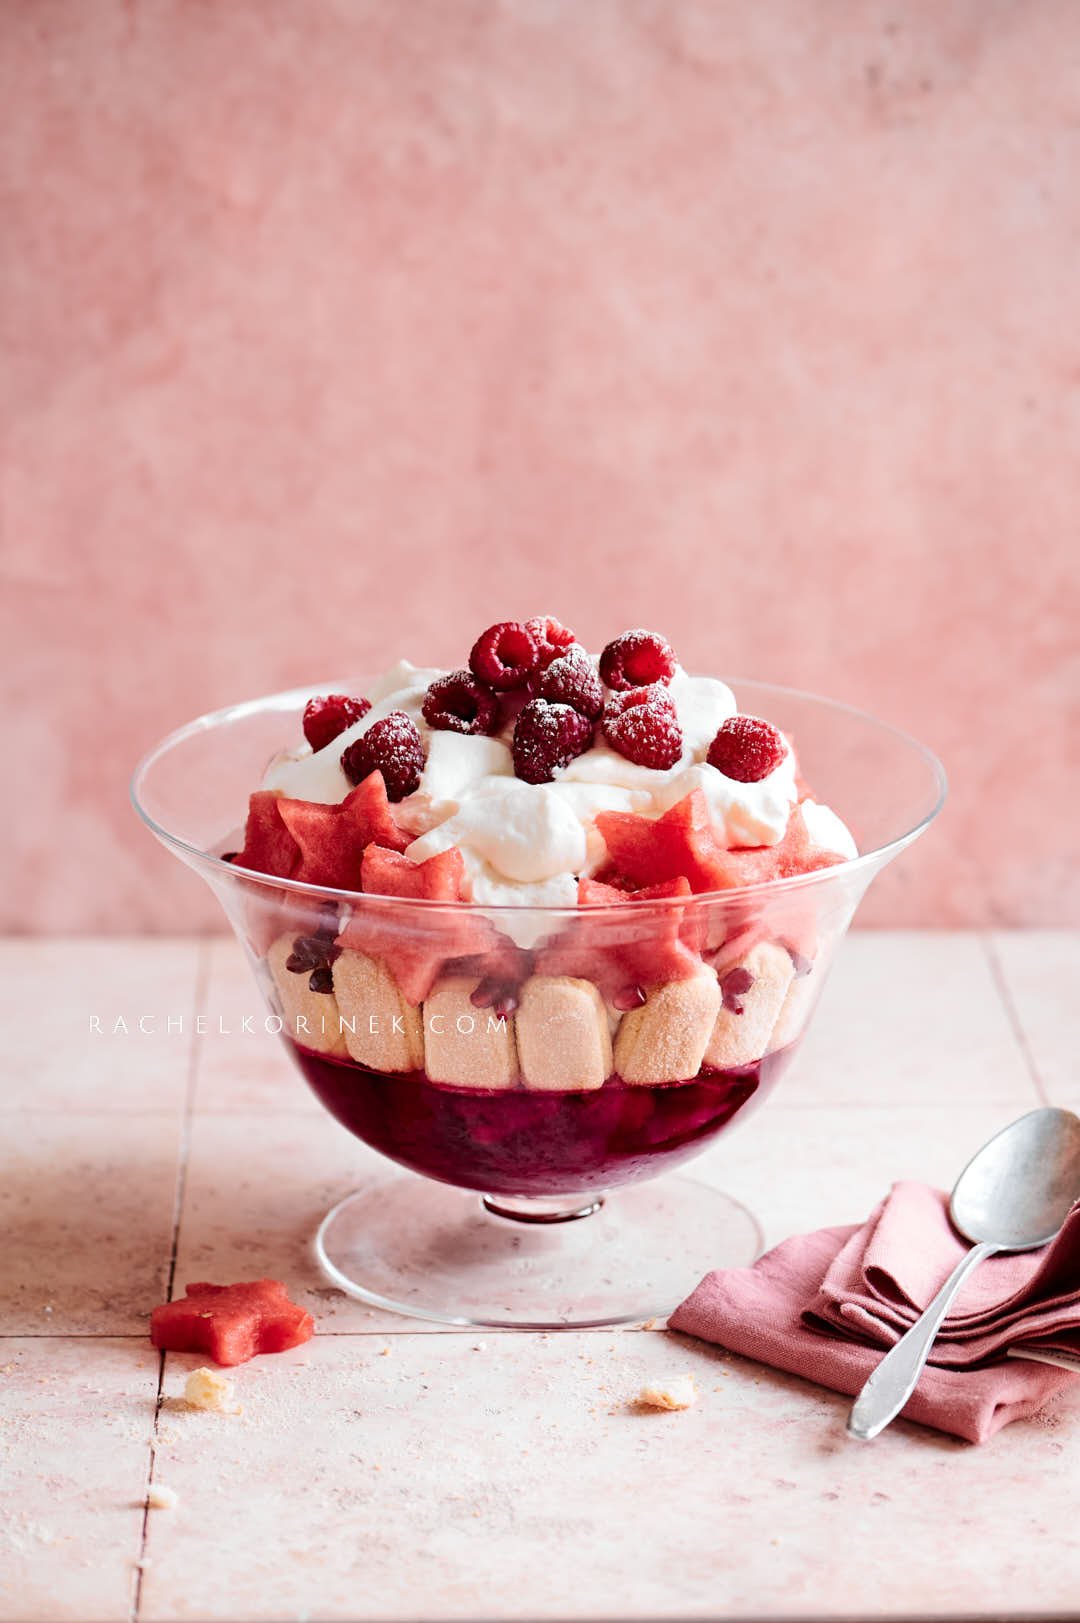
<point>525,844</point>
<point>748,813</point>
<point>524,831</point>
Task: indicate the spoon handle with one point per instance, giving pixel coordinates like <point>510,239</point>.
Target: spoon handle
<point>897,1376</point>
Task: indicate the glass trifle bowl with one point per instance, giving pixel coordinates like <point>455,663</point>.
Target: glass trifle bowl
<point>532,1076</point>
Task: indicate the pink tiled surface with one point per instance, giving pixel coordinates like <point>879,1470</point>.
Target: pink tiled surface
<point>353,327</point>
<point>391,1469</point>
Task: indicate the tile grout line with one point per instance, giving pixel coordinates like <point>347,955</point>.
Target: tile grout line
<point>385,1333</point>
<point>1013,1015</point>
<point>202,973</point>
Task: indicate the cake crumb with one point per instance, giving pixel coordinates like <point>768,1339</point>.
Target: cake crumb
<point>159,1497</point>
<point>206,1389</point>
<point>669,1392</point>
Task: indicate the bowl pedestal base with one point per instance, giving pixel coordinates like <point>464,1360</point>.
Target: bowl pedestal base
<point>430,1251</point>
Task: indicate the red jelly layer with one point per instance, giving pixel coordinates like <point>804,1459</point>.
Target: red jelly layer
<point>522,1142</point>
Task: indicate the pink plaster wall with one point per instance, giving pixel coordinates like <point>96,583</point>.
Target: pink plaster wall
<point>336,330</point>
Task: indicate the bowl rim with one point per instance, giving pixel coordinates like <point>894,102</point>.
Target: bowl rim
<point>866,863</point>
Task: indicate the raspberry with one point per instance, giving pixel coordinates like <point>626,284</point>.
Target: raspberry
<point>636,660</point>
<point>571,680</point>
<point>504,656</point>
<point>458,703</point>
<point>391,746</point>
<point>326,717</point>
<point>552,639</point>
<point>747,749</point>
<point>644,727</point>
<point>547,736</point>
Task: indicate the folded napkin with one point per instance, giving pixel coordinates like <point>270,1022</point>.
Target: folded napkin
<point>824,1305</point>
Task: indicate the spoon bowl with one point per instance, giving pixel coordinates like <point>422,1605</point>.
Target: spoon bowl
<point>1016,1192</point>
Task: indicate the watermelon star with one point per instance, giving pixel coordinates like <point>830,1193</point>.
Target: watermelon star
<point>331,839</point>
<point>268,846</point>
<point>683,842</point>
<point>232,1323</point>
<point>623,954</point>
<point>413,945</point>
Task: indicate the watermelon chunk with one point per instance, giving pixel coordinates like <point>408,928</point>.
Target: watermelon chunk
<point>268,845</point>
<point>795,854</point>
<point>598,893</point>
<point>683,843</point>
<point>367,805</point>
<point>331,839</point>
<point>440,879</point>
<point>412,944</point>
<point>620,954</point>
<point>232,1323</point>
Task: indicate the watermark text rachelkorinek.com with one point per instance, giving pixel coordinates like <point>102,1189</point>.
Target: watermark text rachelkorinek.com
<point>483,1024</point>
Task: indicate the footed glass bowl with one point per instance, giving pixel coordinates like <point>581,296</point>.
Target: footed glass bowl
<point>551,1061</point>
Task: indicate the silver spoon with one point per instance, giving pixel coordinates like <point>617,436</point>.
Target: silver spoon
<point>1013,1196</point>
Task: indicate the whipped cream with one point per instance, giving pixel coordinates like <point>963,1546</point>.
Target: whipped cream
<point>525,831</point>
<point>318,776</point>
<point>525,844</point>
<point>828,830</point>
<point>458,767</point>
<point>748,813</point>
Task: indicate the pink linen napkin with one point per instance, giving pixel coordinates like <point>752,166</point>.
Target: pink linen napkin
<point>825,1305</point>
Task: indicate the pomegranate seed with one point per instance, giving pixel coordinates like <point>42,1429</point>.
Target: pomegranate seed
<point>494,994</point>
<point>313,955</point>
<point>734,986</point>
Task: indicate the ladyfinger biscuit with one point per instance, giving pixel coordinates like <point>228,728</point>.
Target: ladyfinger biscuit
<point>381,1029</point>
<point>563,1035</point>
<point>311,1018</point>
<point>796,1009</point>
<point>463,1045</point>
<point>749,1012</point>
<point>665,1039</point>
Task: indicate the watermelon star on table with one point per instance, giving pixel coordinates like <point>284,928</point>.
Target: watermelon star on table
<point>232,1323</point>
